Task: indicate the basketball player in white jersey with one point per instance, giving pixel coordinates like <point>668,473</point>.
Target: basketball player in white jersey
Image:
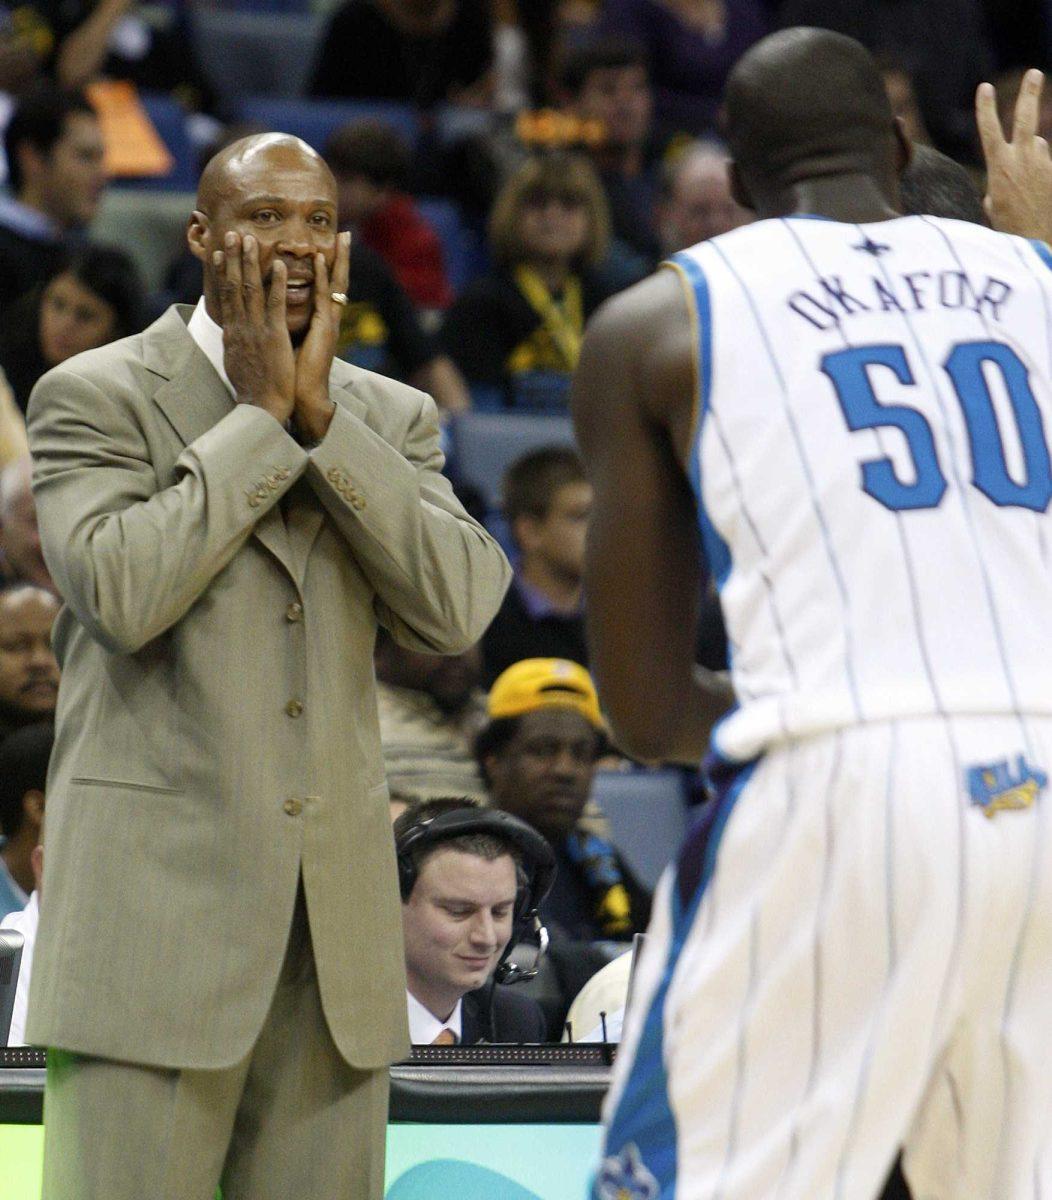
<point>844,416</point>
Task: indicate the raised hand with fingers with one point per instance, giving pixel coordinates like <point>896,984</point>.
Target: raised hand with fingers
<point>257,349</point>
<point>1019,172</point>
<point>314,357</point>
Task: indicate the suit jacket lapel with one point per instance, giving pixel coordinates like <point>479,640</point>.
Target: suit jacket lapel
<point>470,1019</point>
<point>193,398</point>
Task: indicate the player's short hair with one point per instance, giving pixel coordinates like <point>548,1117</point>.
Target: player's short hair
<point>371,149</point>
<point>934,185</point>
<point>39,120</point>
<point>552,173</point>
<point>24,757</point>
<point>530,483</point>
<point>802,99</point>
<point>600,54</point>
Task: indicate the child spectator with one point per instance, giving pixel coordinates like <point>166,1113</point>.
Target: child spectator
<point>419,51</point>
<point>371,165</point>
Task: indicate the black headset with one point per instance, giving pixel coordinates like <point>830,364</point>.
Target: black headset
<point>538,863</point>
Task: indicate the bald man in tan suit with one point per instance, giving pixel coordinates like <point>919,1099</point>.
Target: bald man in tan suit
<point>229,513</point>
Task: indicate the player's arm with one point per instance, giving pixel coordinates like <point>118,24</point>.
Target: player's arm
<point>632,400</point>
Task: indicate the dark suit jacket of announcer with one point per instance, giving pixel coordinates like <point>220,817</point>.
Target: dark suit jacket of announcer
<point>515,1018</point>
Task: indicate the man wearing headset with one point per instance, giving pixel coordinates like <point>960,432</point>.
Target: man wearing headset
<point>470,879</point>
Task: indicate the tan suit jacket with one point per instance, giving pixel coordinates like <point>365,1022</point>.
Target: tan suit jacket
<point>217,727</point>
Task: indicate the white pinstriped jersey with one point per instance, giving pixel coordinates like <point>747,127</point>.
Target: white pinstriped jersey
<point>872,462</point>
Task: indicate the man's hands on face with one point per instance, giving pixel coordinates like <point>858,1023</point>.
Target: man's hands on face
<point>1019,172</point>
<point>313,408</point>
<point>257,349</point>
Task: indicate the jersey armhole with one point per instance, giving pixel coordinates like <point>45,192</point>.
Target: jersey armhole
<point>1042,250</point>
<point>696,294</point>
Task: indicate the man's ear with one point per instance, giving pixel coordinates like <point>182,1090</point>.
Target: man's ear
<point>903,147</point>
<point>33,806</point>
<point>739,192</point>
<point>197,235</point>
<point>523,531</point>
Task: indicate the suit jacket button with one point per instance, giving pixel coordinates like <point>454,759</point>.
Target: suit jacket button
<point>293,807</point>
<point>294,612</point>
<point>294,708</point>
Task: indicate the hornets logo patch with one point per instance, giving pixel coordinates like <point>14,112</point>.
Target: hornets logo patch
<point>624,1177</point>
<point>995,787</point>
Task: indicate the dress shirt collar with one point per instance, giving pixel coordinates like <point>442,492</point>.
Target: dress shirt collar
<point>538,605</point>
<point>29,222</point>
<point>424,1026</point>
<point>24,921</point>
<point>209,338</point>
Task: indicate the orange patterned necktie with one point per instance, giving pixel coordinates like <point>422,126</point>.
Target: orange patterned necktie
<point>445,1038</point>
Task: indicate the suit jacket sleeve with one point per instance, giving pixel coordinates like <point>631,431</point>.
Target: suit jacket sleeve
<point>129,556</point>
<point>438,575</point>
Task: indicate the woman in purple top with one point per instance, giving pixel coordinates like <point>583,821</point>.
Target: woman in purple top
<point>692,45</point>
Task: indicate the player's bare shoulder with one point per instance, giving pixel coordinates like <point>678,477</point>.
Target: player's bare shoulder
<point>639,359</point>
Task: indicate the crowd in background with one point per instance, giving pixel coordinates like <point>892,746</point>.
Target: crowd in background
<point>576,144</point>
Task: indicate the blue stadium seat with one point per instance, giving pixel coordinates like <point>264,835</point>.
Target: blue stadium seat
<point>245,53</point>
<point>541,392</point>
<point>169,120</point>
<point>462,251</point>
<point>484,444</point>
<point>315,120</point>
<point>648,816</point>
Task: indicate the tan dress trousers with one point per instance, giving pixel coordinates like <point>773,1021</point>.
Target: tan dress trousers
<point>292,1119</point>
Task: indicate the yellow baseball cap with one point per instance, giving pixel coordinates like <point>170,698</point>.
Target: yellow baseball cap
<point>545,683</point>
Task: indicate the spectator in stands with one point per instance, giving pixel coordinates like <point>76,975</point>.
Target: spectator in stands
<point>55,167</point>
<point>423,52</point>
<point>546,499</point>
<point>96,299</point>
<point>691,45</point>
<point>696,202</point>
<point>902,96</point>
<point>608,81</point>
<point>81,40</point>
<point>381,331</point>
<point>24,757</point>
<point>538,756</point>
<point>937,186</point>
<point>13,441</point>
<point>516,332</point>
<point>28,670</point>
<point>371,164</point>
<point>458,918</point>
<point>20,58</point>
<point>431,708</point>
<point>21,559</point>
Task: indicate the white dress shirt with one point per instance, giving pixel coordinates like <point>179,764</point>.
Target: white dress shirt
<point>209,338</point>
<point>23,921</point>
<point>424,1026</point>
